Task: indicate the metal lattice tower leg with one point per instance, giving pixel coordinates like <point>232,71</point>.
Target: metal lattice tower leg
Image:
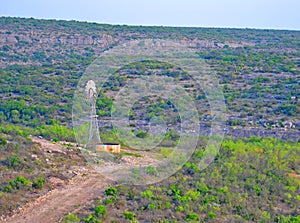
<point>94,127</point>
<point>93,134</point>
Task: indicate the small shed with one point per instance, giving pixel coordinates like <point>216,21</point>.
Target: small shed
<point>109,147</point>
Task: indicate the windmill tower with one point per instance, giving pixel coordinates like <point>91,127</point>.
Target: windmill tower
<point>91,95</point>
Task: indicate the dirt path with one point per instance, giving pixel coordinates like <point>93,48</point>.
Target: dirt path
<point>85,186</point>
<point>52,206</point>
<point>55,204</point>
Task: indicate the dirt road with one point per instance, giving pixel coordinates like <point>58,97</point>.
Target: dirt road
<point>84,187</point>
<point>52,206</point>
<point>55,204</point>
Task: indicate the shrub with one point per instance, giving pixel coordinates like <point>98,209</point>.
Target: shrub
<point>38,182</point>
<point>19,182</point>
<point>151,170</point>
<point>141,134</point>
<point>168,204</point>
<point>111,191</point>
<point>129,215</point>
<point>147,194</point>
<point>12,161</point>
<point>71,218</point>
<point>100,211</point>
<point>3,141</point>
<point>180,208</point>
<point>91,219</point>
<point>108,201</point>
<point>7,189</point>
<point>211,215</point>
<point>192,217</point>
<point>23,180</point>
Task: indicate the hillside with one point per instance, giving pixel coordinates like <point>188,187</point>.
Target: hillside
<point>258,70</point>
<point>254,177</point>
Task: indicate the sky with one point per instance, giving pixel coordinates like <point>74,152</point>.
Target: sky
<point>262,14</point>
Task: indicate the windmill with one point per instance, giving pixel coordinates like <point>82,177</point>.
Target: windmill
<point>91,96</point>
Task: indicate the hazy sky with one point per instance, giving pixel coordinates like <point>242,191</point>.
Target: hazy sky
<point>275,14</point>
